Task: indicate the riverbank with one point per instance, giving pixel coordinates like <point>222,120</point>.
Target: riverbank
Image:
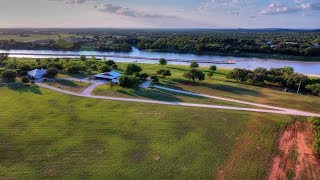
<point>139,56</point>
<point>248,55</point>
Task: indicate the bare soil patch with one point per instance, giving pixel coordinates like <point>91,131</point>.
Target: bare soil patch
<point>295,158</point>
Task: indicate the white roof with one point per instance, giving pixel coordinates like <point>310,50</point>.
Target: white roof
<point>37,73</point>
<point>108,75</point>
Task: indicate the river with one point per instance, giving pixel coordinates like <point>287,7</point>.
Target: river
<point>149,57</point>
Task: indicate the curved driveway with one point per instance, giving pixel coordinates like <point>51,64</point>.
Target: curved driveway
<point>274,110</point>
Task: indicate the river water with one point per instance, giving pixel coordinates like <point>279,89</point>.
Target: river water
<point>145,57</point>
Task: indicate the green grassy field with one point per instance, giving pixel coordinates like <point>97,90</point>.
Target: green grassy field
<point>33,37</point>
<point>220,86</point>
<point>73,86</point>
<point>160,95</point>
<point>47,134</point>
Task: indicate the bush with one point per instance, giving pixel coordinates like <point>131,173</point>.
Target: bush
<point>260,84</point>
<point>8,75</point>
<point>154,78</point>
<point>83,58</point>
<point>314,88</point>
<point>23,73</point>
<point>144,76</point>
<point>114,66</point>
<point>128,81</point>
<point>25,80</point>
<point>164,72</point>
<point>249,82</point>
<point>316,141</point>
<point>210,74</point>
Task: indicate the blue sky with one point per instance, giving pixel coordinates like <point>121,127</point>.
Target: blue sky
<point>161,13</point>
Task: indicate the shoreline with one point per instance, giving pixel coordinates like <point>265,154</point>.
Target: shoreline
<point>75,53</point>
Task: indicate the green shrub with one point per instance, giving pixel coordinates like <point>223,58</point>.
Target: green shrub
<point>314,88</point>
<point>8,75</point>
<point>316,141</point>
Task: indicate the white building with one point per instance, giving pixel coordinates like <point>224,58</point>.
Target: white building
<point>37,73</point>
<point>110,76</point>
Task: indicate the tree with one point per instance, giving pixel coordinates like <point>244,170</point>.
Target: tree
<point>314,88</point>
<point>25,67</point>
<point>74,68</point>
<point>52,72</point>
<point>114,66</point>
<point>133,69</point>
<point>194,64</point>
<point>213,68</point>
<point>194,74</point>
<point>210,74</point>
<point>154,78</point>
<point>239,74</point>
<point>8,75</point>
<point>83,58</point>
<point>163,62</point>
<point>128,81</point>
<point>25,80</point>
<point>104,68</point>
<point>144,76</point>
<point>3,58</point>
<point>109,63</point>
<point>164,72</point>
<point>259,75</point>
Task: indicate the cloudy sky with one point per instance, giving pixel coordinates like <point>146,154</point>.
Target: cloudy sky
<point>161,13</point>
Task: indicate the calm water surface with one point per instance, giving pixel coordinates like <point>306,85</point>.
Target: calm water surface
<point>242,62</point>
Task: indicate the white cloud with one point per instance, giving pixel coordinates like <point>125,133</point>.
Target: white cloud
<point>124,11</point>
<point>278,8</point>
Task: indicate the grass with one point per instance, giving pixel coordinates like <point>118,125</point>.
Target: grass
<point>220,86</point>
<point>160,95</point>
<point>32,37</point>
<point>45,134</point>
<point>73,86</point>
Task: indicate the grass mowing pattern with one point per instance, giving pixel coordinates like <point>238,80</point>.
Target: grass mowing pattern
<point>47,134</point>
<point>160,95</point>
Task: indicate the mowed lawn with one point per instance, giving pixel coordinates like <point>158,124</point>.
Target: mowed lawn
<point>159,95</point>
<point>47,134</point>
<point>73,86</point>
<point>219,85</point>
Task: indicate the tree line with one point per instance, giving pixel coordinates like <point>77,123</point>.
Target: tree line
<point>236,43</point>
<point>280,77</point>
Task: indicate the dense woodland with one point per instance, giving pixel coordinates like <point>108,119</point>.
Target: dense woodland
<point>221,42</point>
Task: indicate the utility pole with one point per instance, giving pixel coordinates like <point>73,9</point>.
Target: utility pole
<point>299,87</point>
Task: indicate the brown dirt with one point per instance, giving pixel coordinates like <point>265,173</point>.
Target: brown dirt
<point>295,154</point>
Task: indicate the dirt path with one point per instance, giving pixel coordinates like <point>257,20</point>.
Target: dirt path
<point>87,94</point>
<point>290,111</point>
<point>88,90</point>
<point>295,158</point>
